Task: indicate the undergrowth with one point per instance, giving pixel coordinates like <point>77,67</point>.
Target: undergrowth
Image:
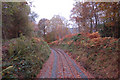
<point>23,57</point>
<point>99,55</point>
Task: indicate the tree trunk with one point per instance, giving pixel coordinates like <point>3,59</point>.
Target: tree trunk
<point>44,31</point>
<point>79,27</point>
<point>96,18</point>
<point>91,26</point>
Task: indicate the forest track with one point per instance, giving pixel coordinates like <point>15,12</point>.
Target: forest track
<point>60,65</point>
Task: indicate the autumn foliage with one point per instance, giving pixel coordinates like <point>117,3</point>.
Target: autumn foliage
<point>97,53</point>
<point>93,35</point>
<point>70,35</point>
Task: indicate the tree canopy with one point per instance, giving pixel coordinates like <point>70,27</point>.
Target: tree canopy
<point>90,15</point>
<point>15,19</point>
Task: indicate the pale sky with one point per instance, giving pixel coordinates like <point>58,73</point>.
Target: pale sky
<point>49,8</point>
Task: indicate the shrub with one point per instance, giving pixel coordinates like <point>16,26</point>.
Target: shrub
<point>26,56</point>
<point>93,35</point>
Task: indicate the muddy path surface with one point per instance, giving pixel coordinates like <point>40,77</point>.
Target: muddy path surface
<point>61,65</point>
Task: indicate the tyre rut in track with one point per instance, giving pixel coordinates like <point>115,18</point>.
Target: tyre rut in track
<point>60,65</point>
<point>80,74</point>
<point>67,71</point>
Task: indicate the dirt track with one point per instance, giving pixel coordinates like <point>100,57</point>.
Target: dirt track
<point>60,65</point>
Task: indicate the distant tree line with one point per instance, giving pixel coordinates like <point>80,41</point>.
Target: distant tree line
<point>53,29</point>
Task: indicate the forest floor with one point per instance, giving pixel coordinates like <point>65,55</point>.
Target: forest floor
<point>61,65</point>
